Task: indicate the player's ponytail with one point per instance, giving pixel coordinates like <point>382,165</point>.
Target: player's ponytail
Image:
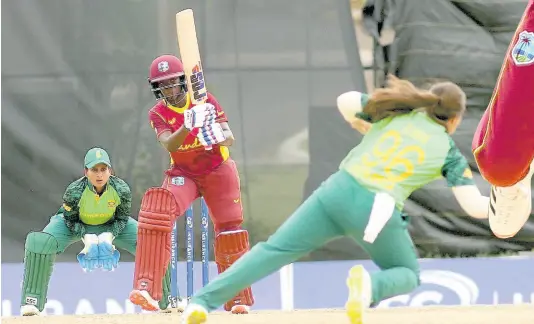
<point>451,102</point>
<point>401,97</point>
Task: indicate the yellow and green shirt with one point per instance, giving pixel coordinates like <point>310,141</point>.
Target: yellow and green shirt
<point>401,154</point>
<point>82,206</point>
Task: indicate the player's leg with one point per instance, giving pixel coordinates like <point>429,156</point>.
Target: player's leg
<point>222,193</point>
<point>41,249</point>
<point>308,228</point>
<point>503,144</point>
<point>394,253</point>
<point>350,207</point>
<point>159,209</point>
<point>127,240</point>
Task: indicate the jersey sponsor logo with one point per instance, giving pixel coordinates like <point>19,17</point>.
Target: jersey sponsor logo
<point>194,145</point>
<point>523,51</point>
<point>96,215</point>
<point>112,203</point>
<point>171,121</point>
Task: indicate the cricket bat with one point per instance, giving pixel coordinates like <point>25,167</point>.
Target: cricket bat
<point>190,54</point>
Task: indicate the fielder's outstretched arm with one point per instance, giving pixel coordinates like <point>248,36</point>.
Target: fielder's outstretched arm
<point>471,201</point>
<point>459,178</point>
<point>350,105</point>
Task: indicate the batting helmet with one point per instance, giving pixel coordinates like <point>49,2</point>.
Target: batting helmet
<point>166,67</point>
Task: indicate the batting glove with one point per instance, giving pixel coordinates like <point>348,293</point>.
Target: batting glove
<point>211,134</point>
<point>199,116</point>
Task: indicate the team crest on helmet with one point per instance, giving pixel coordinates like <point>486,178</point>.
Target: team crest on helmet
<point>523,50</point>
<point>163,66</point>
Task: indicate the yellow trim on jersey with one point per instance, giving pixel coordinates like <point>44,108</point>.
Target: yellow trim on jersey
<point>225,153</point>
<point>181,110</point>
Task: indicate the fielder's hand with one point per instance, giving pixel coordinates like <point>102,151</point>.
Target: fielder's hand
<point>211,134</point>
<point>199,116</point>
<point>88,257</point>
<point>108,258</point>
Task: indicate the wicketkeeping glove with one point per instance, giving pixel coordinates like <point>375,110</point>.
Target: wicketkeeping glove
<point>88,257</point>
<point>108,258</point>
<point>199,116</point>
<point>211,134</point>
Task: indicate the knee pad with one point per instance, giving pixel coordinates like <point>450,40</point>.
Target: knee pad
<point>41,243</point>
<point>158,210</point>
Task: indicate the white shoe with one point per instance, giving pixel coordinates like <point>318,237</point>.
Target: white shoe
<point>29,310</point>
<point>181,305</point>
<point>510,207</point>
<point>143,299</point>
<point>194,314</point>
<point>240,309</point>
<point>359,284</point>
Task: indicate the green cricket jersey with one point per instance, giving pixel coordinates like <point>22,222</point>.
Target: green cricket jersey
<point>401,154</point>
<point>82,206</point>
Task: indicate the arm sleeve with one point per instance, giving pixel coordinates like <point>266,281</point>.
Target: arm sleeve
<point>221,115</point>
<point>362,115</point>
<point>70,208</point>
<point>456,169</point>
<point>158,124</point>
<point>124,209</point>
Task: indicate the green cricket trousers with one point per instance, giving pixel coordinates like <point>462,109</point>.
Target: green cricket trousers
<point>42,247</point>
<point>339,207</point>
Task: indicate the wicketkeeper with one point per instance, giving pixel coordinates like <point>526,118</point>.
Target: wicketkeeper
<point>185,130</point>
<point>96,210</point>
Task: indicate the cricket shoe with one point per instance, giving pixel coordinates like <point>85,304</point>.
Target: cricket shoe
<point>143,299</point>
<point>181,305</point>
<point>510,207</point>
<point>240,309</point>
<point>167,310</point>
<point>194,314</point>
<point>29,310</point>
<point>359,299</point>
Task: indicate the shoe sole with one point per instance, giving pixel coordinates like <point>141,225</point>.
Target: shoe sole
<point>138,299</point>
<point>354,305</point>
<point>197,317</point>
<point>239,310</point>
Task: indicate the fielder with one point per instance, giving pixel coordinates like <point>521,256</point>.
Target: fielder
<point>404,149</point>
<point>96,209</point>
<point>503,144</point>
<point>184,131</point>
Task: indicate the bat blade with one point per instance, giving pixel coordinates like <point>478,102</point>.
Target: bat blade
<point>189,51</point>
<point>188,45</point>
